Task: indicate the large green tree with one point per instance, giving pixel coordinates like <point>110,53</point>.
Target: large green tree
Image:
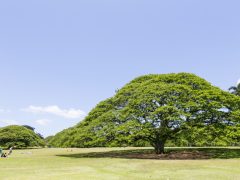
<point>156,109</point>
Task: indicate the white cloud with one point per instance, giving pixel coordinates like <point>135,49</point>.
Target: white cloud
<point>4,111</point>
<point>43,122</point>
<point>9,122</point>
<point>66,113</point>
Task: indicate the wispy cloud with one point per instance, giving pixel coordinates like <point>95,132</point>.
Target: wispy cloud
<point>43,122</point>
<point>238,82</point>
<point>4,111</point>
<point>9,122</point>
<point>66,113</point>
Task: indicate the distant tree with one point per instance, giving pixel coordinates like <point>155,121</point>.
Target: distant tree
<point>235,90</point>
<point>19,136</point>
<point>29,127</point>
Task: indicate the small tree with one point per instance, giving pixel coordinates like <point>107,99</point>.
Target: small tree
<point>19,136</point>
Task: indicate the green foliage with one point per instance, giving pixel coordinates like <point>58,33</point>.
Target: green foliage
<point>154,109</point>
<point>47,139</point>
<point>29,127</point>
<point>19,136</point>
<point>235,90</point>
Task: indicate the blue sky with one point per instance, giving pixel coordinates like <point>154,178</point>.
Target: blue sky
<point>58,58</point>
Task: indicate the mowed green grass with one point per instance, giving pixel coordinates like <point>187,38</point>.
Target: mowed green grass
<point>100,163</point>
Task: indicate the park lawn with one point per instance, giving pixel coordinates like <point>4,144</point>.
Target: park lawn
<point>98,163</point>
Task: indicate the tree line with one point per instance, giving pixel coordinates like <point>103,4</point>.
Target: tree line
<point>153,110</point>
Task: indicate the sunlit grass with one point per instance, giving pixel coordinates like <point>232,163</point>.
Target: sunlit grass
<point>115,163</point>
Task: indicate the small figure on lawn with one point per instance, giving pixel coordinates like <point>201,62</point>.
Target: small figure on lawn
<point>4,155</point>
<point>10,150</point>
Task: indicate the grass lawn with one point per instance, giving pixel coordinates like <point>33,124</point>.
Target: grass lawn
<point>120,163</point>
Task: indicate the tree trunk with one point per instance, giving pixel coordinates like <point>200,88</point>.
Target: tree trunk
<point>159,147</point>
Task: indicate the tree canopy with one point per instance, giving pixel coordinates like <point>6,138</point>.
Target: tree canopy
<point>19,136</point>
<point>156,109</point>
